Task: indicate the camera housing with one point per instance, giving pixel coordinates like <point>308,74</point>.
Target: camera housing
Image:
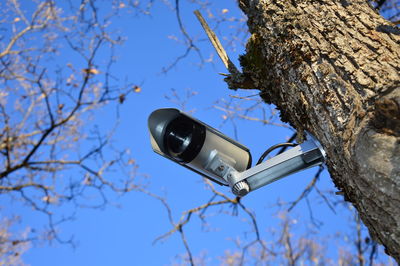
<point>206,151</point>
<point>195,145</point>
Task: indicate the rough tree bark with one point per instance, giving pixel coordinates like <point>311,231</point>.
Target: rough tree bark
<point>332,68</point>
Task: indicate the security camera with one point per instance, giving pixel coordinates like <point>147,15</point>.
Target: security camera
<point>195,145</point>
<point>206,151</point>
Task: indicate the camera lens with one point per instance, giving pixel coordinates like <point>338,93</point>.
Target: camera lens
<point>184,138</point>
<point>179,138</point>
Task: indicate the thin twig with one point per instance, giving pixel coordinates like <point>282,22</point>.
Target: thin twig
<point>325,199</point>
<point>358,242</point>
<point>185,243</point>
<point>190,43</point>
<point>308,189</point>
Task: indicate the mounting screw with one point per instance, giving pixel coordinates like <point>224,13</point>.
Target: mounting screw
<point>221,168</point>
<point>241,188</point>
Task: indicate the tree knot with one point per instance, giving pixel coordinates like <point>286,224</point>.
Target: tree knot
<point>387,116</point>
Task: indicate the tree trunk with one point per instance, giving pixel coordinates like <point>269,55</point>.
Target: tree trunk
<point>332,68</point>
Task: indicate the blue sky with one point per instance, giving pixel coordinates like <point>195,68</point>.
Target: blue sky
<point>123,233</point>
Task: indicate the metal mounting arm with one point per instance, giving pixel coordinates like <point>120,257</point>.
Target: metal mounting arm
<point>305,155</point>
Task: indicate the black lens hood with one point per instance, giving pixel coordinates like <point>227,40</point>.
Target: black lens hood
<point>198,136</point>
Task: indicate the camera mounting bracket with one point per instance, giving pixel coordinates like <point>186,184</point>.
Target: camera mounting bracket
<point>305,155</point>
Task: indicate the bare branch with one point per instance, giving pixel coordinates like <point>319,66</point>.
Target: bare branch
<point>190,43</point>
<point>308,189</point>
<point>217,44</point>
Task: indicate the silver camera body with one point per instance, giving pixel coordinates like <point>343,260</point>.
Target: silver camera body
<point>206,151</point>
<point>195,145</point>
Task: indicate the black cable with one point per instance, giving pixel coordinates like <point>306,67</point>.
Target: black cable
<point>291,139</point>
<point>273,148</point>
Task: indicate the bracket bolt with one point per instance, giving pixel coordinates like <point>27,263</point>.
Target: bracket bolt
<point>241,188</point>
